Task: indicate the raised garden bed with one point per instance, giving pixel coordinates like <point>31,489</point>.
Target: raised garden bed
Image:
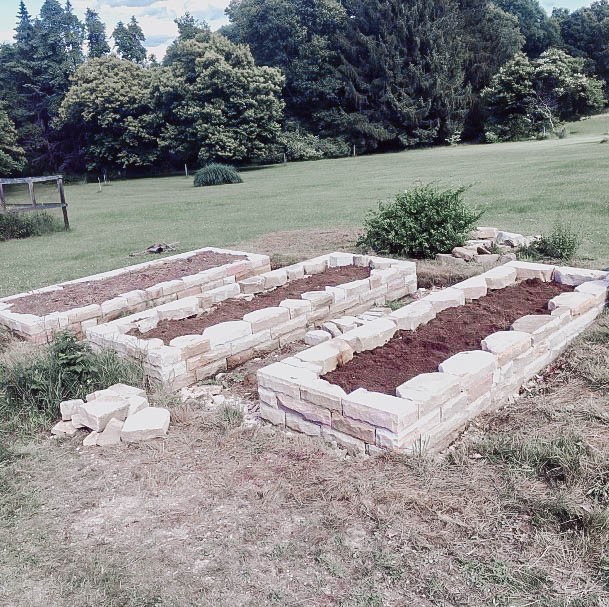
<point>412,380</point>
<point>79,304</point>
<point>194,338</point>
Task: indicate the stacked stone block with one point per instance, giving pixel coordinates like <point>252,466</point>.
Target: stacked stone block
<point>429,410</point>
<point>40,329</point>
<point>191,358</point>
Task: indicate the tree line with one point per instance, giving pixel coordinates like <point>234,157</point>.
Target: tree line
<point>293,78</point>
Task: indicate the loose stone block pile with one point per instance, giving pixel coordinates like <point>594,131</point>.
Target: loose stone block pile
<point>119,413</point>
<point>483,246</point>
<point>191,358</point>
<point>428,410</point>
<point>40,329</point>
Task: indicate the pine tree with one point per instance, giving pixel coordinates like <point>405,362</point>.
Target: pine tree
<point>96,35</point>
<point>73,36</point>
<point>24,32</point>
<point>128,40</point>
<point>403,73</point>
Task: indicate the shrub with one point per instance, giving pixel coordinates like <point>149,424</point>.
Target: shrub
<point>420,222</point>
<point>300,145</point>
<point>19,225</point>
<point>217,174</point>
<point>561,243</point>
<point>33,387</point>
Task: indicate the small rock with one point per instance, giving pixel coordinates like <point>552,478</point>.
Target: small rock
<point>69,407</point>
<point>331,328</point>
<point>63,429</point>
<point>483,251</point>
<point>218,399</point>
<point>485,232</point>
<point>136,403</point>
<point>78,421</point>
<point>464,253</point>
<point>511,238</point>
<point>151,422</point>
<point>91,439</point>
<point>317,336</point>
<point>101,410</point>
<point>506,257</point>
<point>126,391</point>
<point>111,434</point>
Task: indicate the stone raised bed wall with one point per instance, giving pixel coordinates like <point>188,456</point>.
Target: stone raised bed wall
<point>40,329</point>
<point>429,410</point>
<point>191,358</point>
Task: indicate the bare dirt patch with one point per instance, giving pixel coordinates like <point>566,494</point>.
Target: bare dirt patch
<point>297,245</point>
<point>235,309</point>
<point>97,291</point>
<point>454,330</point>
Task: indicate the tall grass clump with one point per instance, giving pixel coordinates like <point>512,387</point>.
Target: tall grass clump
<point>216,174</point>
<point>20,225</point>
<point>32,386</point>
<point>420,222</point>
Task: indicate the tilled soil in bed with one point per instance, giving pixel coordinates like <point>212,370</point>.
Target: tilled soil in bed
<point>455,330</point>
<point>97,291</point>
<point>235,309</point>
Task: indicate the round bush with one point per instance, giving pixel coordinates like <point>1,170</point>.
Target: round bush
<point>217,174</point>
<point>420,222</point>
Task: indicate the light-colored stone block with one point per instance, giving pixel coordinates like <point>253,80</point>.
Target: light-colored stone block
<point>576,276</point>
<point>250,286</point>
<point>446,298</point>
<point>346,323</point>
<point>501,277</point>
<point>351,444</point>
<point>484,233</point>
<point>378,409</point>
<point>577,302</point>
<point>328,355</point>
<point>272,415</point>
<point>191,345</point>
<point>296,307</point>
<point>355,428</point>
<point>473,288</point>
<point>470,367</point>
<point>275,278</point>
<point>338,260</point>
<point>267,318</point>
<point>149,423</point>
<point>111,434</point>
<point>280,377</point>
<point>511,239</point>
<point>91,439</point>
<point>507,345</point>
<point>136,403</point>
<point>527,269</point>
<point>318,299</point>
<point>64,428</point>
<point>371,335</point>
<point>309,411</point>
<point>68,408</point>
<point>126,391</point>
<point>429,390</point>
<point>299,424</point>
<point>599,289</point>
<point>322,393</point>
<point>316,336</point>
<point>413,315</point>
<point>225,332</point>
<point>97,413</point>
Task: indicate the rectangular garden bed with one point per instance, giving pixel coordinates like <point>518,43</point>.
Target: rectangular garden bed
<point>412,380</point>
<point>182,342</point>
<point>80,304</point>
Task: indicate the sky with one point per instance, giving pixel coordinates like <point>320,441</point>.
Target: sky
<point>156,16</point>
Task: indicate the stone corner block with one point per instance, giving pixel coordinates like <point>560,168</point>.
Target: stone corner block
<point>376,409</point>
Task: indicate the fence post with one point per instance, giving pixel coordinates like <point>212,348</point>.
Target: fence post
<point>2,198</point>
<point>64,204</point>
<point>30,187</point>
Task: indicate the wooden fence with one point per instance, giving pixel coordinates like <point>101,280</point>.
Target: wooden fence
<point>34,204</point>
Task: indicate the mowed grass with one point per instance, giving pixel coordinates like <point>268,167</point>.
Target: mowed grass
<point>522,186</point>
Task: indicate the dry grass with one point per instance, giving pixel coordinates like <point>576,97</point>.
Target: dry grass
<point>220,513</point>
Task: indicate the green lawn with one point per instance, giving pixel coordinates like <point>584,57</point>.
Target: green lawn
<point>523,186</point>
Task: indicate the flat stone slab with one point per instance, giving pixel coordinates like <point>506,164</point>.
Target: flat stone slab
<point>469,366</point>
<point>473,288</point>
<point>64,428</point>
<point>266,318</point>
<point>528,269</point>
<point>507,345</point>
<point>96,414</point>
<point>413,315</point>
<point>328,355</point>
<point>316,336</point>
<point>430,389</point>
<point>446,298</point>
<point>149,423</point>
<point>371,335</point>
<point>382,410</point>
<point>567,275</point>
<point>501,277</point>
<point>111,434</point>
<point>577,302</point>
<point>226,332</point>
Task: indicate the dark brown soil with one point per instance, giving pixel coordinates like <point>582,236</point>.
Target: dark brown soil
<point>455,330</point>
<point>98,291</point>
<point>235,309</point>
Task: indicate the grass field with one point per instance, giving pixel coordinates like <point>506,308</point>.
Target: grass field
<point>522,186</point>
